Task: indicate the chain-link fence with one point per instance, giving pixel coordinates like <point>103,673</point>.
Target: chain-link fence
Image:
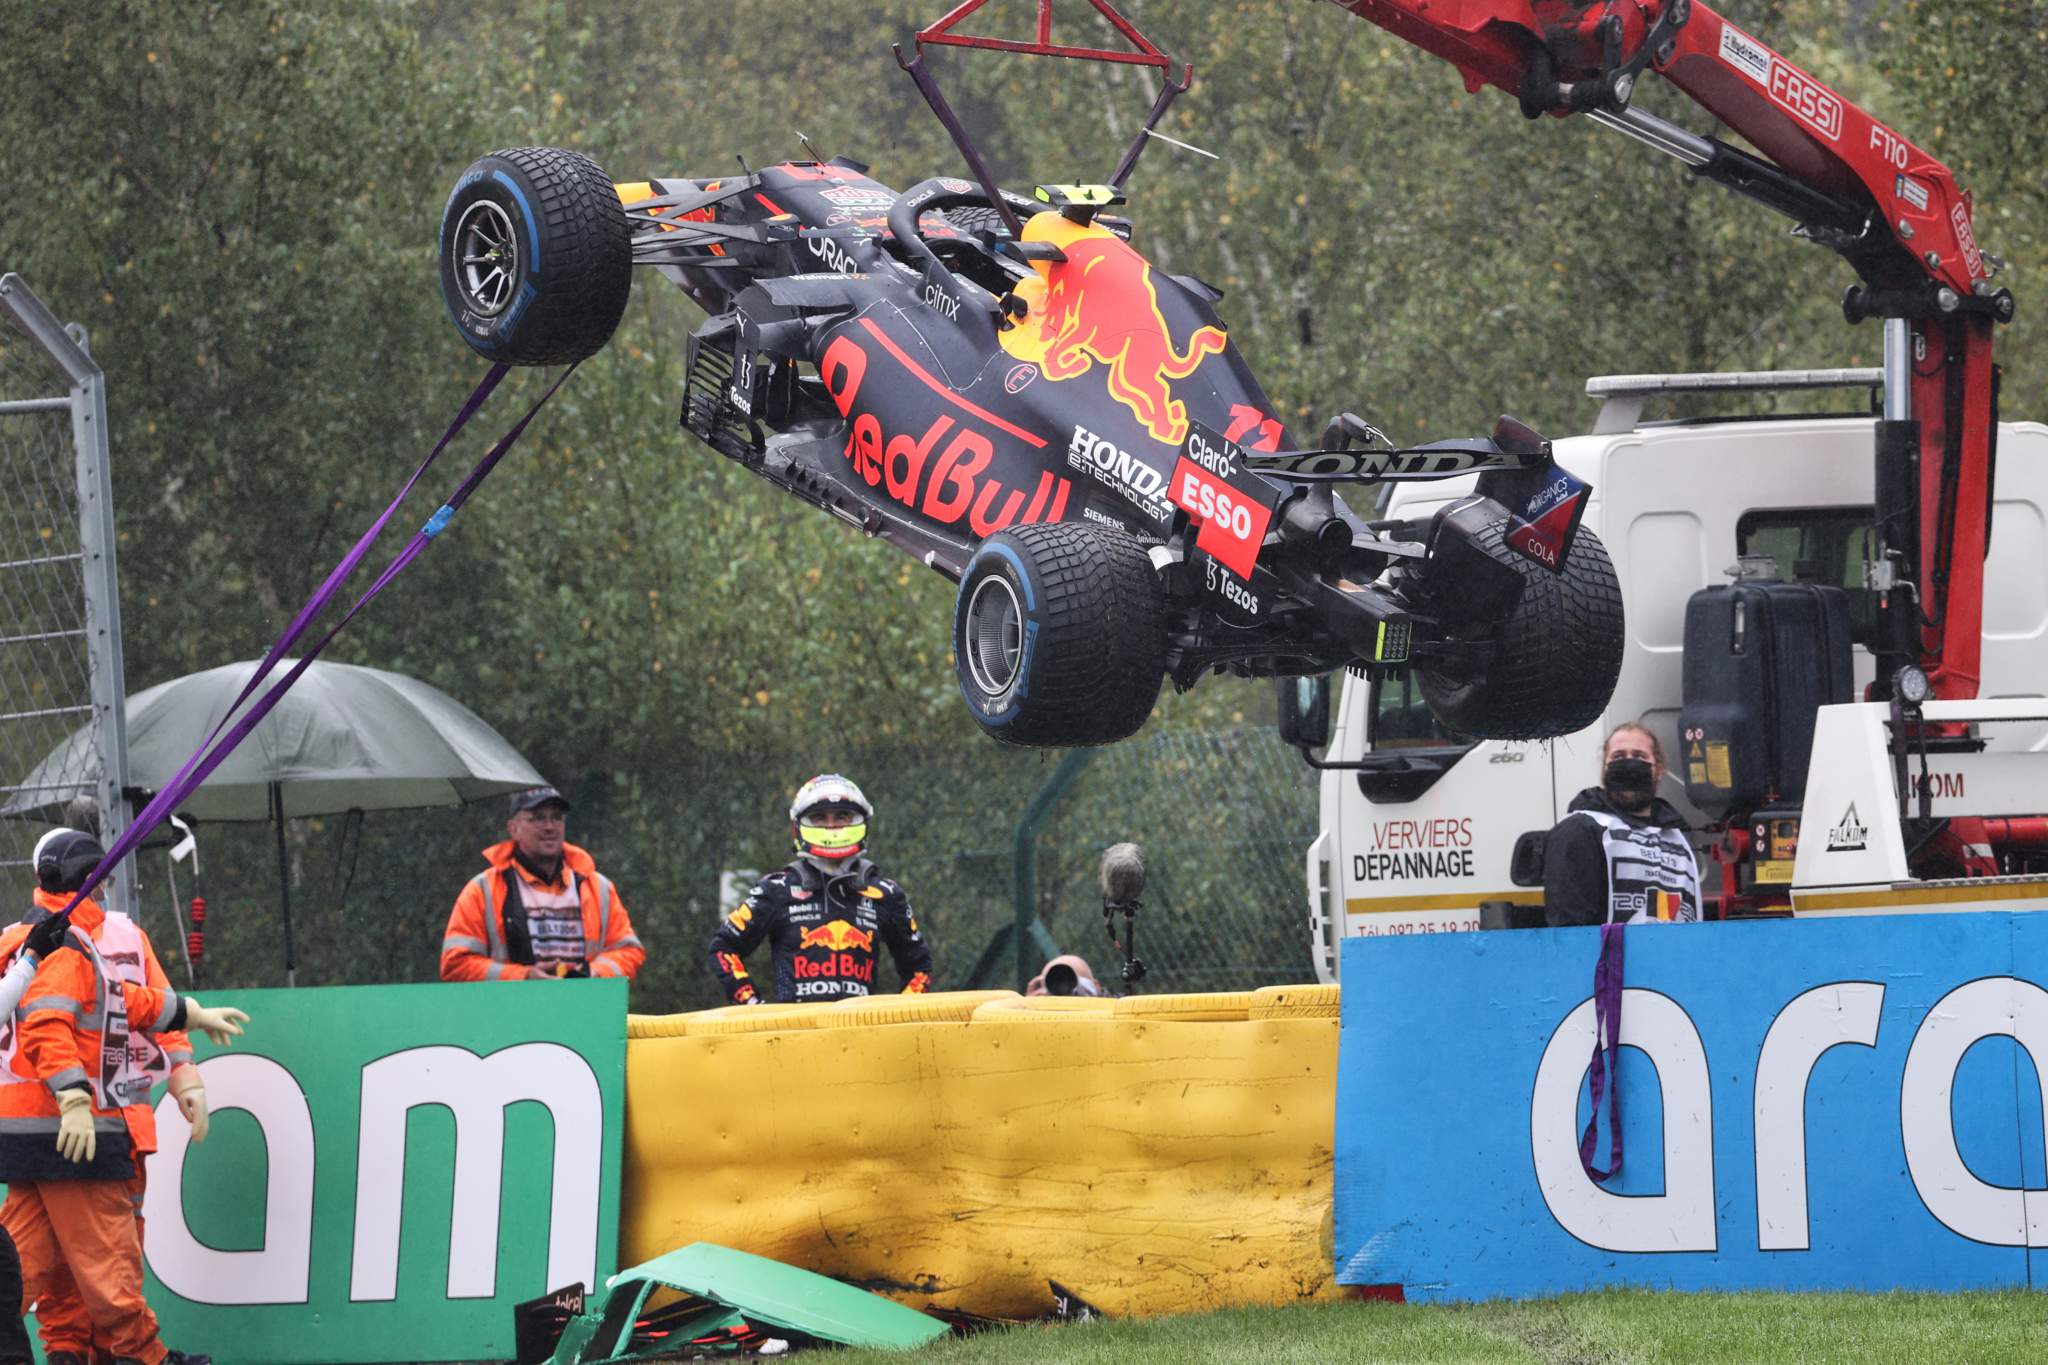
<point>61,728</point>
<point>991,843</point>
<point>1224,817</point>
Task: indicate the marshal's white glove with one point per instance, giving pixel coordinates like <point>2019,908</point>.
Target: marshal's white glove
<point>189,1091</point>
<point>221,1023</point>
<point>75,1138</point>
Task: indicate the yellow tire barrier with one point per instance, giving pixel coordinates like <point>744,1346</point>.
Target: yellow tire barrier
<point>1046,1008</point>
<point>955,1007</point>
<point>965,1161</point>
<point>1217,1007</point>
<point>730,1019</point>
<point>1295,1002</point>
<point>657,1025</point>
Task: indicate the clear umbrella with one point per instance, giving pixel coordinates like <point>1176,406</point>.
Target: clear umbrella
<point>345,738</point>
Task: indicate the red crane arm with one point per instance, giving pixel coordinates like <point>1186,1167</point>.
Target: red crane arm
<point>1853,184</point>
<point>1558,58</point>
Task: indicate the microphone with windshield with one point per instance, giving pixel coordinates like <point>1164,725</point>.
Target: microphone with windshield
<point>1122,876</point>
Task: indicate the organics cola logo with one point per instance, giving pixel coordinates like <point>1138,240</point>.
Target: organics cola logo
<point>1101,308</point>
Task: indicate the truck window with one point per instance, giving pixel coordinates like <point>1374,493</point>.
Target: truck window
<point>1402,720</point>
<point>1811,544</point>
<point>1817,545</point>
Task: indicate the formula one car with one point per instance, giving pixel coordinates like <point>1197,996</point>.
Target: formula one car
<point>1002,386</point>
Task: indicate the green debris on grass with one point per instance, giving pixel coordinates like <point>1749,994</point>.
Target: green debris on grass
<point>1594,1329</point>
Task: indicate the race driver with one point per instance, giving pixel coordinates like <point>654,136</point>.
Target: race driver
<point>824,912</point>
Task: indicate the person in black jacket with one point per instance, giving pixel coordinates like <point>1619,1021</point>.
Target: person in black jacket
<point>1621,855</point>
<point>824,913</point>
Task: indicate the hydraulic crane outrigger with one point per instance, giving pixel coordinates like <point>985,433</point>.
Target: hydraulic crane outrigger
<point>1850,183</point>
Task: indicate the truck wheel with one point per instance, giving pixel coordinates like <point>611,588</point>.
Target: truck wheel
<point>536,256</point>
<point>1059,635</point>
<point>1558,655</point>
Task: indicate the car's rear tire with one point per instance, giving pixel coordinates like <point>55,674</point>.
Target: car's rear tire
<point>536,256</point>
<point>1557,656</point>
<point>1059,635</point>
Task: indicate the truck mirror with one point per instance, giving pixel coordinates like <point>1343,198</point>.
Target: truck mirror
<point>1305,711</point>
<point>1525,864</point>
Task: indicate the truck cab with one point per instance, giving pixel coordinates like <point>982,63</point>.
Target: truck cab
<point>1418,833</point>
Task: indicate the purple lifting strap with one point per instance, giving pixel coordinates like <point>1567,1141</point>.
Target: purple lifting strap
<point>1606,1069</point>
<point>210,755</point>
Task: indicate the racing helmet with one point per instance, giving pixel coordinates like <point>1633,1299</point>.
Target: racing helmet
<point>64,858</point>
<point>829,791</point>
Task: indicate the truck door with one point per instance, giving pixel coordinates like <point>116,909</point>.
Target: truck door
<point>1423,832</point>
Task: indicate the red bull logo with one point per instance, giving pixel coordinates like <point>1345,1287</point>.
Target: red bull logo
<point>942,471</point>
<point>838,936</point>
<point>1099,307</point>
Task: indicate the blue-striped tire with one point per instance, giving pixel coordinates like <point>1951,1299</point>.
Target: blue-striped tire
<point>536,256</point>
<point>1059,635</point>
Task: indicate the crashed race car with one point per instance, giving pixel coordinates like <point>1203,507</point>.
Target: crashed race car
<point>1002,386</point>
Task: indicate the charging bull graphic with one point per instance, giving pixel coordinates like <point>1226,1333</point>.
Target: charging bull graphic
<point>1099,306</point>
<point>837,935</point>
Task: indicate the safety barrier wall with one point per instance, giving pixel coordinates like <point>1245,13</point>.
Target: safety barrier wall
<point>1153,1155</point>
<point>1849,1104</point>
<point>390,1170</point>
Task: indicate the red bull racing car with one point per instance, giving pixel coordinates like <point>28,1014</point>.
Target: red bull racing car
<point>1002,386</point>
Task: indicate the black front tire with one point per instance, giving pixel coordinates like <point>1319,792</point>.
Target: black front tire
<point>536,256</point>
<point>1059,635</point>
<point>1557,656</point>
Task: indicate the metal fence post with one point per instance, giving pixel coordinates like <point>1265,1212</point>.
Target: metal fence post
<point>1024,875</point>
<point>98,577</point>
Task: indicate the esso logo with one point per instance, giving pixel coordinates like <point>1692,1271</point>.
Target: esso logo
<point>1232,525</point>
<point>1019,379</point>
<point>1216,507</point>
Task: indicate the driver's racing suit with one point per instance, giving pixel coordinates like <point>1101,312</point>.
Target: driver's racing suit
<point>821,929</point>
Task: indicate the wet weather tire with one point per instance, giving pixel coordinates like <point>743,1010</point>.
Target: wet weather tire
<point>1059,635</point>
<point>1558,655</point>
<point>536,256</point>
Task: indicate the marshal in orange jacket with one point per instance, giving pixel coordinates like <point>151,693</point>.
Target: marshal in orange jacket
<point>476,948</point>
<point>58,1039</point>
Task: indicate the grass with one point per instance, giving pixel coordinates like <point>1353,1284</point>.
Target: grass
<point>1617,1326</point>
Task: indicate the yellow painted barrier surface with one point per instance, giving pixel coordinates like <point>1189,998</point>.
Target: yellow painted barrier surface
<point>964,1149</point>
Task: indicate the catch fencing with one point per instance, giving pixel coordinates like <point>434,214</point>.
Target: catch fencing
<point>998,848</point>
<point>60,615</point>
<point>974,832</point>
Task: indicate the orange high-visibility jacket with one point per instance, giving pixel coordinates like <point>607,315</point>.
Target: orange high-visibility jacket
<point>474,948</point>
<point>55,1039</point>
<point>132,957</point>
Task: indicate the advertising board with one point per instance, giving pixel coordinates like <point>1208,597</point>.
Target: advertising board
<point>390,1169</point>
<point>1851,1104</point>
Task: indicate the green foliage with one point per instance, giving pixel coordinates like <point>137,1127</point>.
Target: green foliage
<point>1965,83</point>
<point>241,204</point>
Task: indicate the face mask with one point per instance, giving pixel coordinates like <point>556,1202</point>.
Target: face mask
<point>1628,780</point>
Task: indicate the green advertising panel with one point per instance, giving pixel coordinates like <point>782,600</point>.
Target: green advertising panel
<point>390,1170</point>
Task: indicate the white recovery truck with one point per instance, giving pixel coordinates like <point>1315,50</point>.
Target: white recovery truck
<point>1419,827</point>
